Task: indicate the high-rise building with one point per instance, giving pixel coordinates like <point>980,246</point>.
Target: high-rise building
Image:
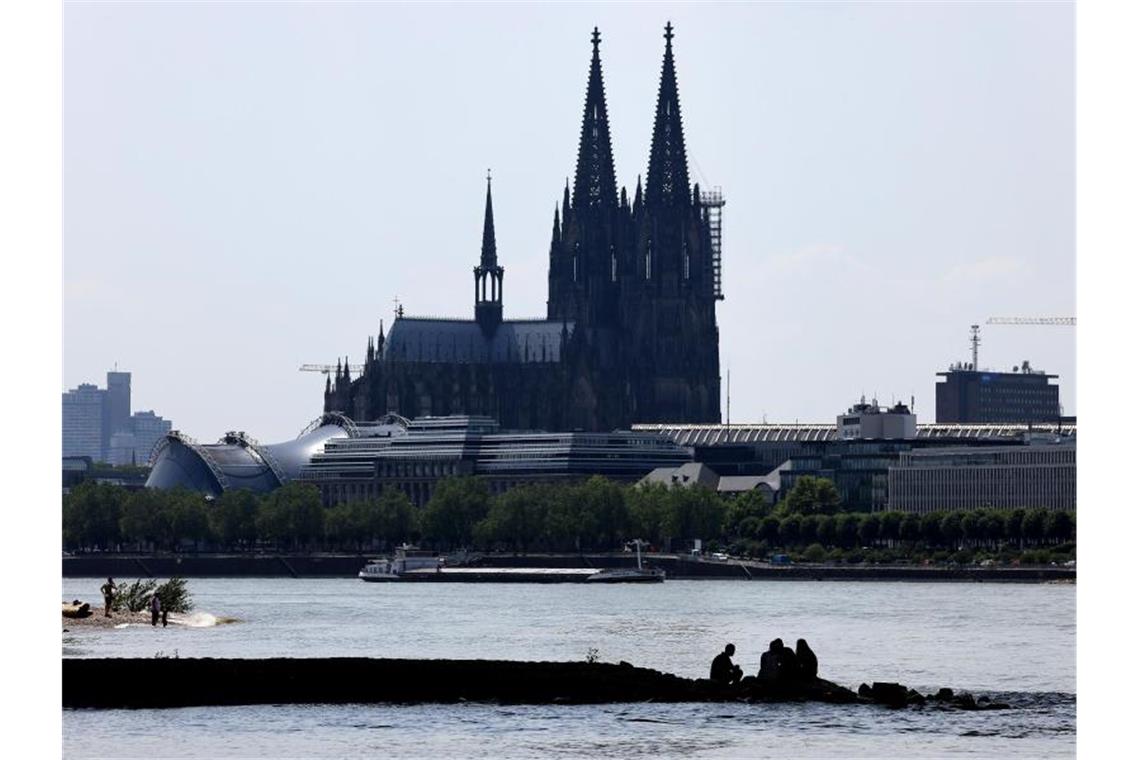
<point>122,449</point>
<point>147,429</point>
<point>97,423</point>
<point>630,331</point>
<point>84,420</point>
<point>118,402</point>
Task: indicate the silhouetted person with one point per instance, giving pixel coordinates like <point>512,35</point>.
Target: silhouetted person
<point>770,661</point>
<point>778,664</point>
<point>108,590</point>
<point>164,618</point>
<point>787,663</point>
<point>806,659</point>
<point>155,609</point>
<point>722,670</point>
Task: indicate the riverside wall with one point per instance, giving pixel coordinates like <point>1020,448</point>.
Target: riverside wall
<point>676,567</point>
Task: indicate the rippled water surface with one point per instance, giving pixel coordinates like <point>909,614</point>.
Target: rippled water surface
<point>1016,641</point>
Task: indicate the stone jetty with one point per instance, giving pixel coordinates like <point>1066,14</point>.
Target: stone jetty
<point>174,682</point>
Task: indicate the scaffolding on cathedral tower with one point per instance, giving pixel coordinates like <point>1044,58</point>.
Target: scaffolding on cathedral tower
<point>712,201</point>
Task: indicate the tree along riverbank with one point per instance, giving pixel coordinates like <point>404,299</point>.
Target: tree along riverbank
<point>676,567</point>
<point>593,516</point>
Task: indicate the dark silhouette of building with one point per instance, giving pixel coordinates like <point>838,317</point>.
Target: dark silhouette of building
<point>969,395</point>
<point>630,333</point>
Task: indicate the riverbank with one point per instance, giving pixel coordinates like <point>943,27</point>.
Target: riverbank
<point>675,566</point>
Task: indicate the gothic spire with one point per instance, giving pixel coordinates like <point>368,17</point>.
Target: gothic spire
<point>555,235</point>
<point>488,258</point>
<point>668,180</point>
<point>594,183</point>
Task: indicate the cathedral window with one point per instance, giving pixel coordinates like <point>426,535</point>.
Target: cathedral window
<point>613,266</point>
<point>575,269</point>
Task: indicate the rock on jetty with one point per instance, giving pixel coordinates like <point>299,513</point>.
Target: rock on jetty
<point>113,683</point>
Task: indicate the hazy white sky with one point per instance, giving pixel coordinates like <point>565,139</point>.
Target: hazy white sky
<point>248,186</point>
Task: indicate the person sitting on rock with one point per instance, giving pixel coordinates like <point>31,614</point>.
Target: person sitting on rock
<point>786,662</point>
<point>806,660</point>
<point>722,670</point>
<point>770,661</point>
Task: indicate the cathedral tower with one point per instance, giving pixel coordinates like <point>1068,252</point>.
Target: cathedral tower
<point>670,308</point>
<point>585,251</point>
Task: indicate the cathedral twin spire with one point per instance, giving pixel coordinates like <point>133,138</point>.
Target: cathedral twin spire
<point>667,182</point>
<point>594,183</point>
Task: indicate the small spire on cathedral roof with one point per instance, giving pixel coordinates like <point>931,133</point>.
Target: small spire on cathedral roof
<point>488,256</point>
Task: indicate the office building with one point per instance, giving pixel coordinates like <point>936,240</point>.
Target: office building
<point>975,396</point>
<point>1036,475</point>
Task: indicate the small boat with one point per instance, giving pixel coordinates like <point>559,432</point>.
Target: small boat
<point>407,559</point>
<point>627,575</point>
<point>637,574</point>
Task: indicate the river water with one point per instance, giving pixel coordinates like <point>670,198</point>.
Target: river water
<point>1014,641</point>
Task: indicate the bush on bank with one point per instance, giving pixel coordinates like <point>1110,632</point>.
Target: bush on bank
<point>592,515</point>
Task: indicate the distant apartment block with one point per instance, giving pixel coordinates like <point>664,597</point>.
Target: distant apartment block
<point>969,395</point>
<point>1038,475</point>
<point>97,423</point>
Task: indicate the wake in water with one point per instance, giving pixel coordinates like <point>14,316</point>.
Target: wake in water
<point>188,620</point>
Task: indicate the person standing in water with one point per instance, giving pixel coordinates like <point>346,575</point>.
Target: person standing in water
<point>155,609</point>
<point>108,590</point>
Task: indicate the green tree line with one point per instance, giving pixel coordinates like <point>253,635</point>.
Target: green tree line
<point>592,515</point>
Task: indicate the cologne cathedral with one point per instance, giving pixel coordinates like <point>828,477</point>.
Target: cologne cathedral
<point>630,334</point>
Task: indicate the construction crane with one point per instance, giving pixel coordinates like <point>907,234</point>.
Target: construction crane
<point>1032,321</point>
<point>328,369</point>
